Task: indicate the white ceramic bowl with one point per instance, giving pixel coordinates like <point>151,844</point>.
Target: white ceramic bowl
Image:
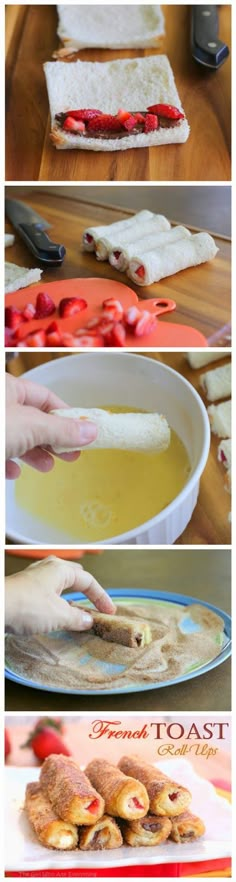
<point>122,378</point>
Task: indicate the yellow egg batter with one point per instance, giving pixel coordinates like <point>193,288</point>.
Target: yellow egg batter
<point>105,492</point>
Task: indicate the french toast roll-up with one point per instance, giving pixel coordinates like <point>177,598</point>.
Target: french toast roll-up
<point>186,828</point>
<point>118,629</point>
<point>69,791</point>
<point>49,828</point>
<point>166,796</point>
<point>104,834</point>
<point>124,796</point>
<point>147,831</point>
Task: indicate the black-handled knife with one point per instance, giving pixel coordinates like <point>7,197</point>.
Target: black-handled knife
<point>31,227</point>
<point>207,49</point>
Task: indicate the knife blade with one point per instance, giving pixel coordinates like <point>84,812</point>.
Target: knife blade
<point>31,227</point>
<point>206,47</point>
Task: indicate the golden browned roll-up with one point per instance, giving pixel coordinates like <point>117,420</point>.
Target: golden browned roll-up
<point>50,830</point>
<point>124,797</point>
<point>186,827</point>
<point>104,834</point>
<point>69,791</point>
<point>166,797</point>
<point>147,831</point>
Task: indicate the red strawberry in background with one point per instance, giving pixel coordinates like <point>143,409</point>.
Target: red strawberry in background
<point>51,722</point>
<point>45,740</point>
<point>7,743</point>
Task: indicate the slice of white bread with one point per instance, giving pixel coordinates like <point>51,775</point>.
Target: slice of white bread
<point>109,27</point>
<point>96,233</point>
<point>220,419</point>
<point>132,83</point>
<point>19,277</point>
<point>121,431</point>
<point>217,383</point>
<point>224,453</point>
<point>172,258</point>
<point>113,240</point>
<point>119,258</point>
<point>9,239</point>
<point>200,359</point>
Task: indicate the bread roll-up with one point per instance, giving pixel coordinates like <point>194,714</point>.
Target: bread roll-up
<point>147,831</point>
<point>92,234</point>
<point>120,256</point>
<point>104,834</point>
<point>121,431</point>
<point>71,794</point>
<point>49,828</point>
<point>112,241</point>
<point>186,828</point>
<point>124,796</point>
<point>220,419</point>
<point>166,797</point>
<point>200,359</point>
<point>217,383</point>
<point>171,259</point>
<point>224,453</point>
<point>118,629</point>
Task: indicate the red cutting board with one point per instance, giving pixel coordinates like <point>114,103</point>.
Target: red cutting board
<point>97,290</point>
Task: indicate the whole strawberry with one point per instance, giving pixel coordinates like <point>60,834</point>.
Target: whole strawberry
<point>44,740</point>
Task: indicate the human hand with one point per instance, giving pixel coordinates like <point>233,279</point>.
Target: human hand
<point>32,431</point>
<point>33,602</point>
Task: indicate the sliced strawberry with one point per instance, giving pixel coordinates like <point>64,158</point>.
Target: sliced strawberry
<point>112,309</point>
<point>8,337</point>
<point>88,238</point>
<point>131,316</point>
<point>93,322</point>
<point>36,338</point>
<point>123,115</point>
<point>13,317</point>
<point>167,111</point>
<point>29,312</point>
<point>73,125</point>
<point>71,305</point>
<point>83,115</point>
<point>53,338</point>
<point>93,340</point>
<point>130,123</point>
<point>94,806</point>
<point>145,324</point>
<point>151,123</point>
<point>117,335</point>
<point>54,326</point>
<point>139,117</point>
<point>44,305</point>
<point>20,333</point>
<point>68,340</point>
<point>105,326</point>
<point>104,123</point>
<point>140,272</point>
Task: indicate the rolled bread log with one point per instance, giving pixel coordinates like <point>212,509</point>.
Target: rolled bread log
<point>111,240</point>
<point>217,383</point>
<point>92,234</point>
<point>173,258</point>
<point>220,419</point>
<point>201,359</point>
<point>120,257</point>
<point>122,431</point>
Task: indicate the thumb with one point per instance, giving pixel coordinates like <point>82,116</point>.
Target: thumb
<point>77,620</point>
<point>62,433</point>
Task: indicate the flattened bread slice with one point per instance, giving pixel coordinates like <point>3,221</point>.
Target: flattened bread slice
<point>108,27</point>
<point>17,277</point>
<point>118,629</point>
<point>134,84</point>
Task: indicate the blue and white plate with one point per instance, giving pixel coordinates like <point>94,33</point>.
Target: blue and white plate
<point>129,596</point>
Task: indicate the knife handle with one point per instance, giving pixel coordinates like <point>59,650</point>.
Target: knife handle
<point>207,48</point>
<point>39,243</point>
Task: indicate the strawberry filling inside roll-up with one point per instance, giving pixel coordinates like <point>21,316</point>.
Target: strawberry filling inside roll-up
<point>69,791</point>
<point>166,797</point>
<point>124,797</point>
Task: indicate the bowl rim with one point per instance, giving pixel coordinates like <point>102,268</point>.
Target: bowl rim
<point>186,491</point>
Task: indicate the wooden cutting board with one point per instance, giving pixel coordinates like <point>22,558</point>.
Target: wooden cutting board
<point>206,97</point>
<point>202,294</point>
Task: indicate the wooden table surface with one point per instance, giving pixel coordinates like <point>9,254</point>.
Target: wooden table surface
<point>204,574</point>
<point>206,97</point>
<point>209,524</point>
<point>202,294</point>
